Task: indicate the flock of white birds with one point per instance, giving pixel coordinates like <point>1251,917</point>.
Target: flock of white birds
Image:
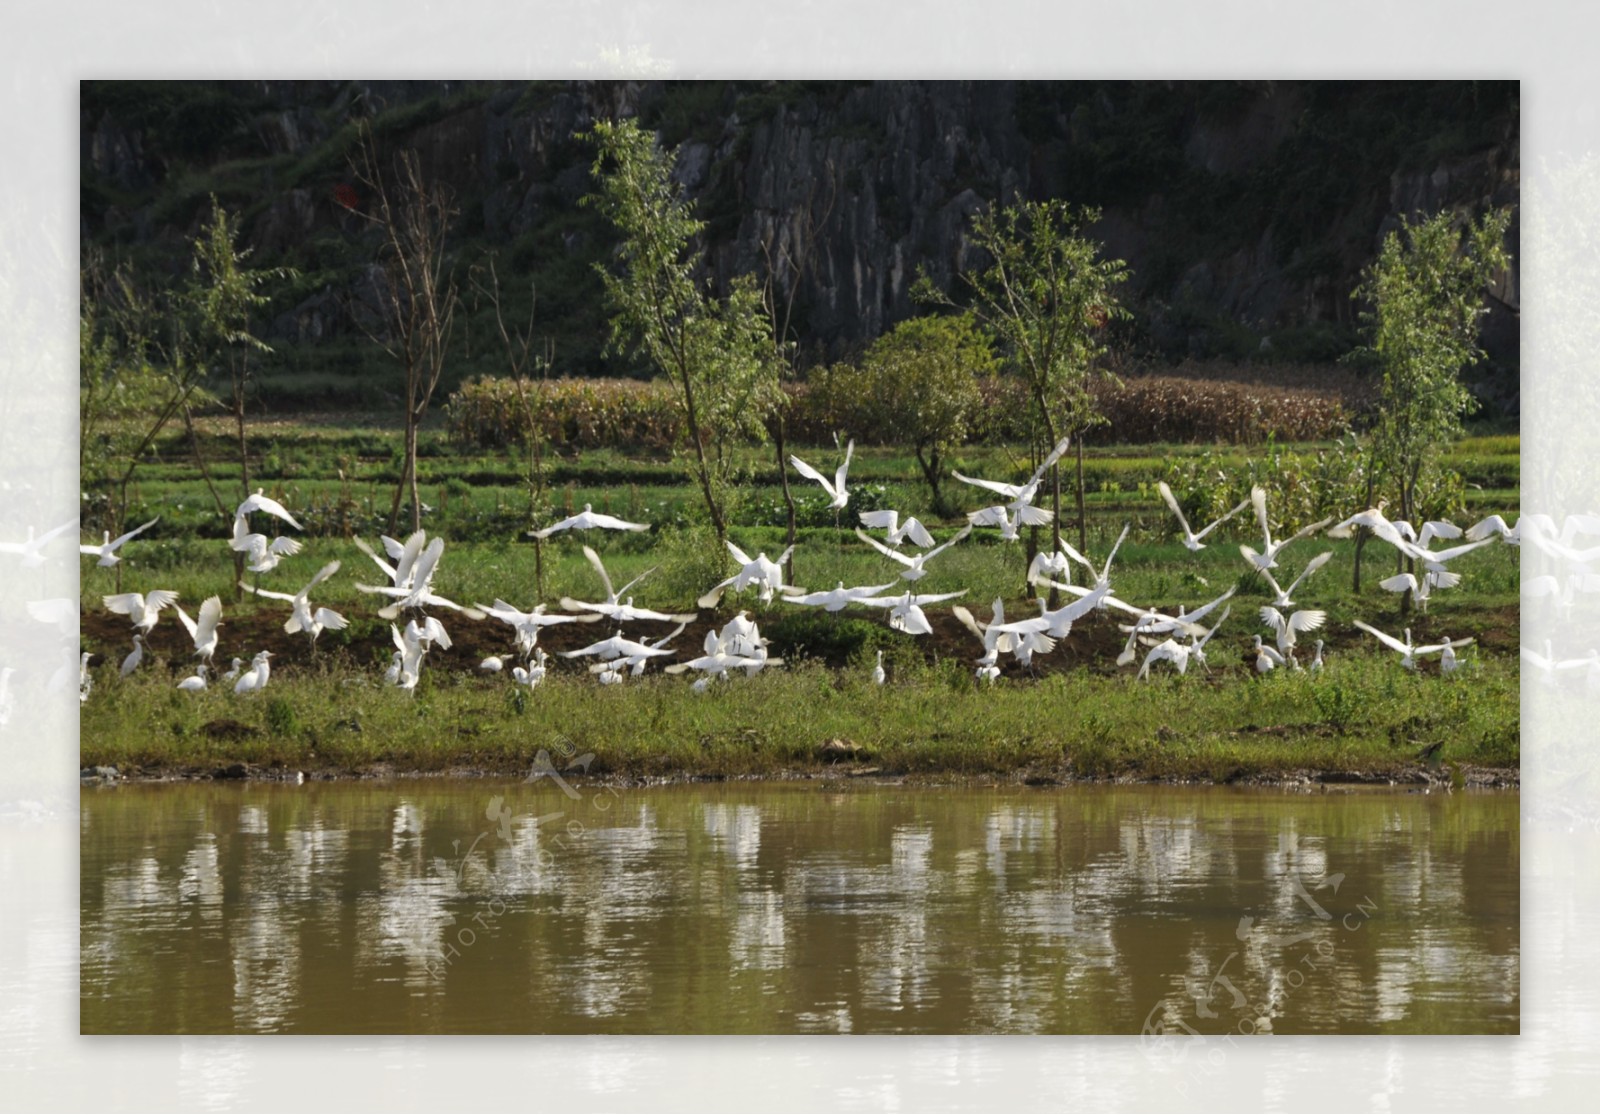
<point>1180,639</point>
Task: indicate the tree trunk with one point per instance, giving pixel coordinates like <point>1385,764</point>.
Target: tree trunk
<point>1055,530</point>
<point>411,458</point>
<point>700,458</point>
<point>788,496</point>
<point>1083,521</point>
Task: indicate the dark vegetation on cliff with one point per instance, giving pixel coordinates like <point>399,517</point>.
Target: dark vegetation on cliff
<point>1245,210</point>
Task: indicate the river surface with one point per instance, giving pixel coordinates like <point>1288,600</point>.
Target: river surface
<point>561,907</point>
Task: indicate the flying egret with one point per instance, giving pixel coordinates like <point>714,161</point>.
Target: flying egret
<point>1268,557</point>
<point>715,662</point>
<point>1054,624</point>
<point>1373,519</point>
<point>996,640</point>
<point>837,599</point>
<point>1197,643</point>
<point>107,550</point>
<point>261,554</point>
<point>1420,589</point>
<point>914,563</point>
<point>835,488</point>
<point>616,647</point>
<point>426,633</point>
<point>204,630</point>
<point>878,676</point>
<point>1285,628</point>
<point>143,609</point>
<point>1191,539</point>
<point>624,612</point>
<point>588,519</point>
<point>419,593</point>
<point>637,662</point>
<point>261,502</point>
<point>1495,527</point>
<point>527,624</point>
<point>905,612</point>
<point>195,683</point>
<point>1010,520</point>
<point>1020,495</point>
<point>131,663</point>
<point>254,680</point>
<point>1409,652</point>
<point>1281,597</point>
<point>760,571</point>
<point>896,530</point>
<point>1166,651</point>
<point>612,594</point>
<point>301,615</point>
<point>31,551</point>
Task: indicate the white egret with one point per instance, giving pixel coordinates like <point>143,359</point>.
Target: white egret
<point>1420,589</point>
<point>301,615</point>
<point>143,609</point>
<point>262,502</point>
<point>740,635</point>
<point>131,663</point>
<point>1495,527</point>
<point>107,550</point>
<point>616,647</point>
<point>637,662</point>
<point>492,665</point>
<point>914,563</point>
<point>878,676</point>
<point>254,680</point>
<point>1264,657</point>
<point>612,594</point>
<point>905,612</point>
<point>534,674</point>
<point>1316,661</point>
<point>261,554</point>
<point>896,530</point>
<point>761,571</point>
<point>835,488</point>
<point>1055,623</point>
<point>1010,520</point>
<point>1433,561</point>
<point>1191,538</point>
<point>1373,519</point>
<point>1166,651</point>
<point>85,679</point>
<point>1285,628</point>
<point>988,672</point>
<point>1433,528</point>
<point>1019,495</point>
<point>588,519</point>
<point>1409,652</point>
<point>204,630</point>
<point>1281,597</point>
<point>419,592</point>
<point>1198,641</point>
<point>837,599</point>
<point>31,551</point>
<point>197,682</point>
<point>1268,557</point>
<point>995,638</point>
<point>715,661</point>
<point>624,612</point>
<point>527,624</point>
<point>234,671</point>
<point>426,633</point>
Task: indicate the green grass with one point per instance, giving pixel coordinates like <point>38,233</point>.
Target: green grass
<point>1363,715</point>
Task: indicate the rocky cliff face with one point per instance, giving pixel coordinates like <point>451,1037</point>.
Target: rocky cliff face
<point>1246,211</point>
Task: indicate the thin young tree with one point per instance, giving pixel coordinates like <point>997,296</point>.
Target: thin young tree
<point>717,352</point>
<point>419,296</point>
<point>523,360</point>
<point>1046,295</point>
<point>1426,292</point>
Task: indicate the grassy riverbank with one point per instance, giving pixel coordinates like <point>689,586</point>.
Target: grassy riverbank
<point>1363,717</point>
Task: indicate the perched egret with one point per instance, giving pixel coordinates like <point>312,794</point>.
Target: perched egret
<point>136,656</point>
<point>835,488</point>
<point>1316,661</point>
<point>492,664</point>
<point>85,679</point>
<point>1264,658</point>
<point>107,550</point>
<point>234,671</point>
<point>878,676</point>
<point>914,563</point>
<point>588,519</point>
<point>197,682</point>
<point>254,680</point>
<point>1191,538</point>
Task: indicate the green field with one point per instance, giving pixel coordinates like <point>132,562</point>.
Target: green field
<point>1075,715</point>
